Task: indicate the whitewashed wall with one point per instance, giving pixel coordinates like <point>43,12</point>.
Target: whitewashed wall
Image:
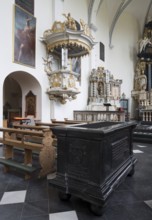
<point>120,60</point>
<point>122,57</point>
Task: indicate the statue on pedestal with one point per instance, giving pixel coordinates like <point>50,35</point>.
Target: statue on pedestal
<point>140,82</point>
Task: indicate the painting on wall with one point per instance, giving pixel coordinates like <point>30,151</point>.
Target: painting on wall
<point>24,37</point>
<point>30,101</point>
<point>76,66</point>
<point>27,5</point>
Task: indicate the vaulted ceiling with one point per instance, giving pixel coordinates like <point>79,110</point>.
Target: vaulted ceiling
<point>140,9</point>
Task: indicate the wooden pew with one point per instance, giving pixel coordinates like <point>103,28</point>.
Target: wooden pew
<point>38,127</point>
<point>45,149</point>
<point>55,122</point>
<point>48,124</point>
<point>31,127</point>
<point>66,121</point>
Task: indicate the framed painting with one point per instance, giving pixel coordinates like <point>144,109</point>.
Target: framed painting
<point>24,37</point>
<point>30,101</point>
<point>76,66</point>
<point>27,5</point>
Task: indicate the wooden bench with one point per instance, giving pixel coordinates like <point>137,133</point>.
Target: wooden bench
<point>41,126</point>
<point>47,124</point>
<point>31,127</point>
<point>55,122</point>
<point>66,122</point>
<point>44,147</point>
<point>12,163</point>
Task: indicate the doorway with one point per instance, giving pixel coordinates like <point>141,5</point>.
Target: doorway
<point>15,89</point>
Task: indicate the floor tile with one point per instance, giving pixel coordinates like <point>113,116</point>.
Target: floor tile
<point>17,184</point>
<point>4,177</point>
<point>56,205</point>
<point>3,185</point>
<point>1,195</point>
<point>149,203</point>
<point>36,194</point>
<point>142,146</point>
<point>123,197</point>
<point>13,197</point>
<point>137,151</point>
<point>36,199</point>
<point>37,183</point>
<point>134,211</point>
<point>71,215</point>
<point>41,217</point>
<point>11,211</point>
<point>38,208</point>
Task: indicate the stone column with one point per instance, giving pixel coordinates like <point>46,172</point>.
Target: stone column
<point>149,77</point>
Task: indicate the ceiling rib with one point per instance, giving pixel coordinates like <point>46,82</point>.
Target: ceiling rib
<point>90,8</point>
<point>120,9</point>
<point>147,14</point>
<point>99,6</point>
<point>93,10</point>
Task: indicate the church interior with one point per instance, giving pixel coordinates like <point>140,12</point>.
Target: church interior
<point>76,110</point>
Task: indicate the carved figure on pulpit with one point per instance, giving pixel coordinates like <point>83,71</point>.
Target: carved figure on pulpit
<point>86,28</point>
<point>47,64</point>
<point>70,23</point>
<point>71,81</point>
<point>55,81</point>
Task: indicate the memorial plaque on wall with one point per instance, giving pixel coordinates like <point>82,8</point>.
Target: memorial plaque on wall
<point>27,5</point>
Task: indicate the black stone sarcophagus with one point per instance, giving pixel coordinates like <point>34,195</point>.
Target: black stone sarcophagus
<point>92,160</point>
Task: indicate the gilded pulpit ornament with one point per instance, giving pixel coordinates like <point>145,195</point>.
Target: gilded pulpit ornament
<point>65,40</point>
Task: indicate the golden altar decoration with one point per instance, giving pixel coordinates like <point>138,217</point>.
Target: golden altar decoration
<point>65,40</point>
<point>142,89</point>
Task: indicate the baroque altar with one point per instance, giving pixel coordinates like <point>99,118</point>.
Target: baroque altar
<point>104,98</point>
<point>103,89</point>
<point>142,91</point>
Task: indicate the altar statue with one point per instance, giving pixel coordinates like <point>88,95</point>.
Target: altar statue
<point>140,77</point>
<point>143,43</point>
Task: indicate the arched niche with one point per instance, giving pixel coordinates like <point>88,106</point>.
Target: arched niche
<point>15,88</point>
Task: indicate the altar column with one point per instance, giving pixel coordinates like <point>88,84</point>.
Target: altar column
<point>149,77</point>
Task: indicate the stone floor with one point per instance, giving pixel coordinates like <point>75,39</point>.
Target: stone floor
<point>36,200</point>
